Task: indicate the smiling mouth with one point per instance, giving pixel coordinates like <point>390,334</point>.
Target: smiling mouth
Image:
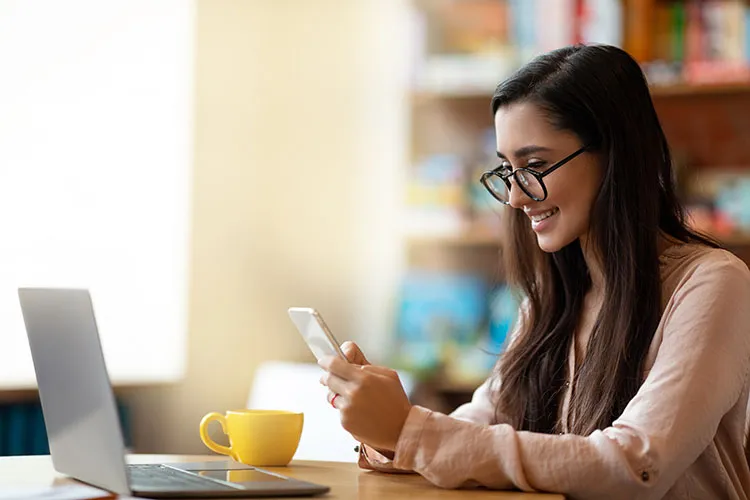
<point>545,215</point>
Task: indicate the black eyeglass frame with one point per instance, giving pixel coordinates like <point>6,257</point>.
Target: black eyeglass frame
<point>537,175</point>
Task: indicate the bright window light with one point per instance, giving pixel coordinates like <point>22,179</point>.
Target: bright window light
<point>95,174</point>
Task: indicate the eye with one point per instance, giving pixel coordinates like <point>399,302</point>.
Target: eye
<point>535,164</point>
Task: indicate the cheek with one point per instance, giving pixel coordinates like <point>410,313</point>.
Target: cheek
<point>574,199</point>
<point>574,192</point>
<point>574,195</point>
<point>562,193</point>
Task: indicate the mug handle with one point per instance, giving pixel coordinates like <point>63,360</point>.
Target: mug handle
<point>210,443</point>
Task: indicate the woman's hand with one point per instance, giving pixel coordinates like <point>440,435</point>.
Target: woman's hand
<point>354,354</point>
<point>371,400</point>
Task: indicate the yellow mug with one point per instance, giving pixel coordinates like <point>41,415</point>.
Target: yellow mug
<point>256,437</point>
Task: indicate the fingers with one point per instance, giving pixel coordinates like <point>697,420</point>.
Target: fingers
<point>334,399</point>
<point>351,352</point>
<point>340,368</point>
<point>382,370</point>
<point>335,384</point>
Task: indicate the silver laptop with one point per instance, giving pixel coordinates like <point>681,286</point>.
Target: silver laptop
<point>82,423</point>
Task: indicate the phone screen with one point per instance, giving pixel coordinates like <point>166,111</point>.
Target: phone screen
<point>315,332</point>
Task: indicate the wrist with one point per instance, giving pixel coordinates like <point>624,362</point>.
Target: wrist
<point>402,424</point>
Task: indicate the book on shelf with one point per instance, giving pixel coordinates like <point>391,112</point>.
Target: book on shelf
<point>718,201</point>
<point>715,42</point>
<point>436,196</point>
<point>445,198</point>
<point>453,323</point>
<point>685,41</point>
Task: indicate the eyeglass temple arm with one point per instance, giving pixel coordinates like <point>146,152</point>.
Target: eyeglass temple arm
<point>562,162</point>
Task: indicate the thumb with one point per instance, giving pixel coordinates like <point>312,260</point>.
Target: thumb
<point>353,353</point>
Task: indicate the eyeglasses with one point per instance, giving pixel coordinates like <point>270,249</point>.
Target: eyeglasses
<point>530,181</point>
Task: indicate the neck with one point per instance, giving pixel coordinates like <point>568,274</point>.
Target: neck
<point>664,241</point>
<point>595,264</point>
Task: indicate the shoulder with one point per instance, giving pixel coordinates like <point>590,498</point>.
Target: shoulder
<point>701,268</point>
<point>706,298</point>
<point>707,309</point>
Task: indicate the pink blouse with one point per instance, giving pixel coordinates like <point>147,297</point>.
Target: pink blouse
<point>682,435</point>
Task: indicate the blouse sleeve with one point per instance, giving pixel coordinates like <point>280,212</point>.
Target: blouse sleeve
<point>699,373</point>
<point>480,410</point>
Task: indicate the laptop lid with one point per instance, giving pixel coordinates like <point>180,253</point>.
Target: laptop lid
<point>81,417</point>
<point>78,404</point>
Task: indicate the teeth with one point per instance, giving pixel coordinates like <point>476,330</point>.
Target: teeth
<point>541,217</point>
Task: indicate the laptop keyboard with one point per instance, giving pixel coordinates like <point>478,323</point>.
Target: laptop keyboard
<point>155,477</point>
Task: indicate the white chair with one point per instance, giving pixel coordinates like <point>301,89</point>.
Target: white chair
<point>280,385</point>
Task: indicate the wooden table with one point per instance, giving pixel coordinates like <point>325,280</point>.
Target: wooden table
<point>346,480</point>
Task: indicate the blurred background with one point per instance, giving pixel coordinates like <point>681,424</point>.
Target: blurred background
<point>202,165</point>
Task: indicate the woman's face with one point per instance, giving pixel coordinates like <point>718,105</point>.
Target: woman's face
<point>526,138</point>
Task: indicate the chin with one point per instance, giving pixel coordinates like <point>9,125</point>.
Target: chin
<point>547,246</point>
<point>551,243</point>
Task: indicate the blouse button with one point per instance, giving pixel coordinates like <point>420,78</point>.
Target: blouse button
<point>356,449</point>
<point>644,476</point>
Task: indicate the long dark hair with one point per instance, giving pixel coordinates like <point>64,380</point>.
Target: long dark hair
<point>599,93</point>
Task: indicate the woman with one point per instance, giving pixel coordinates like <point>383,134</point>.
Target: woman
<point>627,375</point>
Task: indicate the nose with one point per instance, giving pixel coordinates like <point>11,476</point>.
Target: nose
<point>517,198</point>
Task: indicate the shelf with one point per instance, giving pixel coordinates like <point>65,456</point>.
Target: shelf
<point>422,98</point>
<point>473,237</point>
<point>657,91</point>
<point>479,237</point>
<point>695,90</point>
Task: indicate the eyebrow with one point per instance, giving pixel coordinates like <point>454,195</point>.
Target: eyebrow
<point>526,151</point>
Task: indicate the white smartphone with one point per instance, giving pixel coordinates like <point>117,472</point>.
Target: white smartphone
<point>314,330</point>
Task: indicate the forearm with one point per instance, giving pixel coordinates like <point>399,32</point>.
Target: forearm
<point>453,454</point>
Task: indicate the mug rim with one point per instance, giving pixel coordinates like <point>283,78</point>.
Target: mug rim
<point>263,412</point>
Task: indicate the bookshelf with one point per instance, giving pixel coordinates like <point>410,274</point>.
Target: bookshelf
<point>480,237</point>
<point>424,97</point>
<point>694,56</point>
<point>688,90</point>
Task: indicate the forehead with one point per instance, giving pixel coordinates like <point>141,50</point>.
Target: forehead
<point>523,123</point>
